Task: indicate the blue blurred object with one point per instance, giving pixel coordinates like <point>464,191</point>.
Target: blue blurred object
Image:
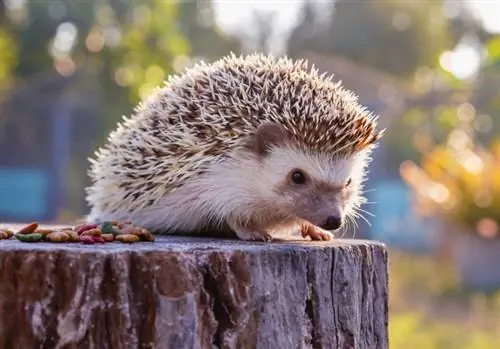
<point>24,194</point>
<point>35,193</point>
<point>394,223</point>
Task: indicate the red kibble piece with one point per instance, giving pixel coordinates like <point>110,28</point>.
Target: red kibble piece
<point>98,240</point>
<point>29,229</point>
<point>87,239</point>
<point>81,228</point>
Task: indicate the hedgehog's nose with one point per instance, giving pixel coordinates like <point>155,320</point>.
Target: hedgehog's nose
<point>332,223</point>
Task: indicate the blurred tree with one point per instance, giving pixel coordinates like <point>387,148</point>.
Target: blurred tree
<point>408,39</point>
<point>197,24</point>
<point>8,49</point>
<point>264,28</point>
<point>395,36</point>
<point>114,51</point>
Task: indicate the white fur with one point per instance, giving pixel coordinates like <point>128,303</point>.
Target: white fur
<point>320,166</point>
<point>239,191</point>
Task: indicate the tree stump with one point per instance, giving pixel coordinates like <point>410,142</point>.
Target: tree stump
<point>191,293</point>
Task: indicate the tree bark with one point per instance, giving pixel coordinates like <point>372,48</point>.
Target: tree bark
<point>191,293</point>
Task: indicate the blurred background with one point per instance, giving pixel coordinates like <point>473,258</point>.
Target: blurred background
<point>70,69</point>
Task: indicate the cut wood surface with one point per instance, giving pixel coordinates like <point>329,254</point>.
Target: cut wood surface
<point>189,293</point>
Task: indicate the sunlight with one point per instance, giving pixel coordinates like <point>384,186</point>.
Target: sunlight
<point>488,13</point>
<point>463,62</point>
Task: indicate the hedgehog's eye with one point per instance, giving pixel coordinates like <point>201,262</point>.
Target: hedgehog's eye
<point>348,183</point>
<point>298,177</point>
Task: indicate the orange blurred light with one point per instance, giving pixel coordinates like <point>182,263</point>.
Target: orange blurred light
<point>94,42</point>
<point>64,66</point>
<point>487,228</point>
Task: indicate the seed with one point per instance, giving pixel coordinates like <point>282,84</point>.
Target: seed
<point>84,227</point>
<point>92,232</point>
<point>108,237</point>
<point>108,228</point>
<point>30,228</point>
<point>44,232</point>
<point>33,237</point>
<point>58,236</point>
<point>127,238</point>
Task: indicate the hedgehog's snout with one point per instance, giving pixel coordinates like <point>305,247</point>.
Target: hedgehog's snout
<point>332,222</point>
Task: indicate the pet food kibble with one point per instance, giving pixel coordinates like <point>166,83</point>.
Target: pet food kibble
<point>86,239</point>
<point>7,233</point>
<point>127,238</point>
<point>98,239</point>
<point>108,228</point>
<point>92,232</point>
<point>73,236</point>
<point>57,236</point>
<point>84,227</point>
<point>30,228</point>
<point>33,237</point>
<point>144,234</point>
<point>108,231</point>
<point>44,232</point>
<point>108,237</point>
<point>123,224</point>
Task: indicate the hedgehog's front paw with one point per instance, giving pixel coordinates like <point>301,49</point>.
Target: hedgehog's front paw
<point>315,232</point>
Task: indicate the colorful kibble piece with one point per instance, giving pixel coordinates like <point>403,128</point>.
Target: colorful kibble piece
<point>86,239</point>
<point>98,239</point>
<point>144,234</point>
<point>91,232</point>
<point>57,236</point>
<point>84,227</point>
<point>73,235</point>
<point>127,238</point>
<point>109,228</point>
<point>29,229</point>
<point>6,233</point>
<point>108,237</point>
<point>44,232</point>
<point>33,237</point>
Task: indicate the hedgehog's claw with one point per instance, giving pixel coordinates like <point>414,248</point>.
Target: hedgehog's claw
<point>315,233</point>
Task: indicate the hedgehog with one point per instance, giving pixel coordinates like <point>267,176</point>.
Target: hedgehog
<point>245,146</point>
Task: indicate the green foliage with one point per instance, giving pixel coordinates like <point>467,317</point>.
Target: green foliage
<point>126,48</point>
<point>426,311</point>
<point>493,49</point>
<point>8,60</point>
<point>411,330</point>
<point>150,42</point>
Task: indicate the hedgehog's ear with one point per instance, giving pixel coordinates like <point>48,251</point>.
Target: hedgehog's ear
<point>266,136</point>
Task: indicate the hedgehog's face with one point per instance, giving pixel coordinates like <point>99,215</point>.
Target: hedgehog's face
<point>312,186</point>
<point>315,187</point>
